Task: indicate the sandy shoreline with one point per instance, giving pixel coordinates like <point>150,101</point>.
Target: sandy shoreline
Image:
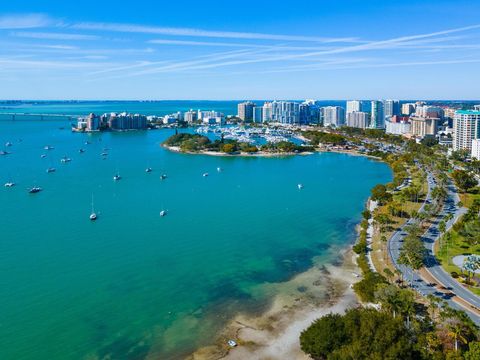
<point>275,334</point>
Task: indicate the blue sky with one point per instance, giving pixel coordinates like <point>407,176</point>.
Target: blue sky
<point>240,50</point>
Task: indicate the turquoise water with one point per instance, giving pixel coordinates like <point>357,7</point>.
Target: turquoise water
<point>134,284</point>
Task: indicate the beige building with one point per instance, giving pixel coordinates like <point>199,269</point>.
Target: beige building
<point>421,127</point>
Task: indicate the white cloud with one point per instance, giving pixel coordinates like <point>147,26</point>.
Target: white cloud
<point>53,36</point>
<point>25,21</point>
<point>132,28</point>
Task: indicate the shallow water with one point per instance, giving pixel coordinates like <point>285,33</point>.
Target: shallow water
<point>134,284</point>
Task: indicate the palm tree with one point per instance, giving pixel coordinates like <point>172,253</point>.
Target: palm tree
<point>456,333</point>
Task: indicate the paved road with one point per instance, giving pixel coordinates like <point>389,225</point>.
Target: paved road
<point>413,278</point>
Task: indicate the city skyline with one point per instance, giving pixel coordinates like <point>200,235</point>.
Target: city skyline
<point>216,51</point>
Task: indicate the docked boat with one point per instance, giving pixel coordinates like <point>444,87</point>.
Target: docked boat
<point>9,184</point>
<point>117,177</point>
<point>148,169</point>
<point>50,170</point>
<point>232,343</point>
<point>163,213</point>
<point>300,186</point>
<point>35,190</point>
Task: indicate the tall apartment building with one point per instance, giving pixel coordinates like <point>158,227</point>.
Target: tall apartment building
<point>285,112</point>
<point>466,128</point>
<point>125,121</point>
<point>429,111</point>
<point>245,110</point>
<point>267,112</point>
<point>354,105</point>
<point>258,114</point>
<point>190,116</point>
<point>391,108</point>
<point>408,109</point>
<point>333,116</point>
<point>378,115</point>
<point>358,119</point>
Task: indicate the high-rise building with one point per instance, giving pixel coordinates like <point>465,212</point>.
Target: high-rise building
<point>125,121</point>
<point>466,128</point>
<point>429,111</point>
<point>333,116</point>
<point>285,112</point>
<point>267,112</point>
<point>258,114</point>
<point>245,110</point>
<point>309,113</point>
<point>354,105</point>
<point>378,116</point>
<point>190,116</point>
<point>358,119</point>
<point>422,126</point>
<point>391,108</point>
<point>93,122</point>
<point>408,109</point>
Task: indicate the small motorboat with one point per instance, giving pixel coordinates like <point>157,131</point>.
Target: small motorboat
<point>65,159</point>
<point>104,154</point>
<point>205,174</point>
<point>163,213</point>
<point>35,190</point>
<point>9,184</point>
<point>300,186</point>
<point>232,343</point>
<point>43,156</point>
<point>8,143</point>
<point>51,170</point>
<point>4,152</point>
<point>87,142</point>
<point>117,177</point>
<point>93,216</point>
<point>81,151</point>
<point>219,169</point>
<point>148,170</point>
<point>48,147</point>
<point>163,177</point>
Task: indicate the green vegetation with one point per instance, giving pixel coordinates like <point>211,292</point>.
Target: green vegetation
<point>401,329</point>
<point>462,239</point>
<point>320,137</point>
<point>285,147</point>
<point>464,180</point>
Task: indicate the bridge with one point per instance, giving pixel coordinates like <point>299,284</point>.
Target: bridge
<point>37,117</point>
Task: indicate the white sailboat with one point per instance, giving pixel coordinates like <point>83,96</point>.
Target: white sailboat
<point>93,215</point>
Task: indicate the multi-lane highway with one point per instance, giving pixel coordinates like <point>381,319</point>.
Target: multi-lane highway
<point>444,286</point>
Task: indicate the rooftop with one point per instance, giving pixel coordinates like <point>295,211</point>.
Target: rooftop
<point>468,112</point>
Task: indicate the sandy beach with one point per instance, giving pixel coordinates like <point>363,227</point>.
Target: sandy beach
<point>275,334</point>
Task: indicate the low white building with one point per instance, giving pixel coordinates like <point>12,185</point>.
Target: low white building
<point>476,149</point>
